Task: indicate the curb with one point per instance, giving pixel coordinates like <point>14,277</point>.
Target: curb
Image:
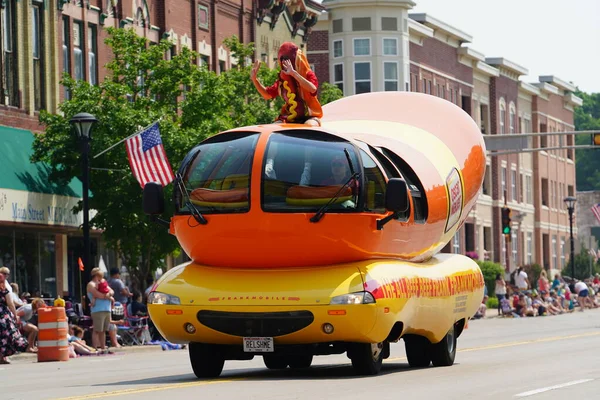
<point>31,357</point>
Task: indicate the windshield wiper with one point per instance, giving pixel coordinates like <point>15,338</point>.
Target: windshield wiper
<point>183,189</point>
<point>354,175</point>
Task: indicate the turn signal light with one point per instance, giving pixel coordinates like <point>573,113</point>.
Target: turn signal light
<point>174,312</point>
<point>336,312</point>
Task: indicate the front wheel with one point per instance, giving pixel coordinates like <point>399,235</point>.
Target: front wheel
<point>275,362</point>
<point>304,361</point>
<point>444,352</point>
<point>367,358</point>
<point>207,360</point>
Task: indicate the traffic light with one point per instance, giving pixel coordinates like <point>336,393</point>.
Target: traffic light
<point>506,221</point>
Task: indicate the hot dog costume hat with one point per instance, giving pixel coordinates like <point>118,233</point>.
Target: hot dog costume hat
<point>300,62</point>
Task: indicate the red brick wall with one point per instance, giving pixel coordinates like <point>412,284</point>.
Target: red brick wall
<point>318,41</point>
<point>13,117</point>
<point>441,57</point>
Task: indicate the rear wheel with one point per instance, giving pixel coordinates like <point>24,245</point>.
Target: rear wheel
<point>207,360</point>
<point>303,361</point>
<point>275,362</point>
<point>418,351</point>
<point>367,358</point>
<point>444,352</point>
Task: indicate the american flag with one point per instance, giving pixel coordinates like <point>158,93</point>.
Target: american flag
<point>147,157</point>
<point>596,211</point>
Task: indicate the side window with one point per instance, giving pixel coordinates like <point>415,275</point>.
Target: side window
<point>374,184</point>
<point>417,191</point>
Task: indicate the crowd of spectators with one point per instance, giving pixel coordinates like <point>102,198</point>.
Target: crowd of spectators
<point>518,297</point>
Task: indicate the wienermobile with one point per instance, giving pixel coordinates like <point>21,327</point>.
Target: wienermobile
<point>310,241</point>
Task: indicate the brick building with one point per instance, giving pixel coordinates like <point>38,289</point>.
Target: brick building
<point>437,61</point>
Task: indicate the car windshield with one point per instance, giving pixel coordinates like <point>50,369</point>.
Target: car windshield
<point>217,178</point>
<point>304,170</point>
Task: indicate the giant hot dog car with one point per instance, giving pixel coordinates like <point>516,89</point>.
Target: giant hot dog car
<point>310,241</point>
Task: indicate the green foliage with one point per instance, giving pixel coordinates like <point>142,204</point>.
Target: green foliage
<point>587,117</point>
<point>329,93</point>
<point>583,262</point>
<point>533,272</point>
<point>142,86</point>
<point>490,270</point>
<point>492,303</point>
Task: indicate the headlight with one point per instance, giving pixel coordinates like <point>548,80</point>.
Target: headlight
<point>162,298</point>
<point>354,298</point>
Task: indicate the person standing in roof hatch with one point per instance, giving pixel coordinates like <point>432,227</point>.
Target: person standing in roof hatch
<point>297,84</point>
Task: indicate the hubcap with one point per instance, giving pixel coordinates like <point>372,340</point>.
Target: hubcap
<point>450,340</point>
<point>376,349</point>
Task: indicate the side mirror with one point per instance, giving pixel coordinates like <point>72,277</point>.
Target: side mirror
<point>396,200</point>
<point>396,195</point>
<point>154,199</point>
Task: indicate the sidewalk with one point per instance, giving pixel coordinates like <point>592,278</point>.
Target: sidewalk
<point>31,357</point>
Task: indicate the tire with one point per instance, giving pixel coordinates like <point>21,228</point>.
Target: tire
<point>275,362</point>
<point>418,351</point>
<point>367,358</point>
<point>444,352</point>
<point>304,361</point>
<point>207,360</point>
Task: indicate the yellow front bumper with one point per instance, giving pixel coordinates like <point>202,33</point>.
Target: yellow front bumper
<point>365,323</point>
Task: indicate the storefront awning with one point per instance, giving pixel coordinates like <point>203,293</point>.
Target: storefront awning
<point>26,194</point>
<point>19,173</point>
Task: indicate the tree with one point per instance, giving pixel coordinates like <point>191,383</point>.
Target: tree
<point>142,86</point>
<point>585,265</point>
<point>587,117</point>
<point>329,93</point>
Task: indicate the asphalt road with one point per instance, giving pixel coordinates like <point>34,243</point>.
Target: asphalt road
<point>536,358</point>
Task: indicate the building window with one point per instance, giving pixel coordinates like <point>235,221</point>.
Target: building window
<point>553,251</point>
<point>66,48</point>
<point>503,194</point>
<point>361,24</point>
<point>338,25</point>
<point>528,189</point>
<point>513,185</point>
<point>338,76</point>
<point>203,19</point>
<point>9,93</point>
<point>78,51</point>
<point>390,76</point>
<point>511,118</point>
<point>562,253</point>
<point>529,248</point>
<point>222,66</point>
<point>338,48</point>
<point>389,24</point>
<point>39,79</point>
<point>502,116</point>
<point>515,247</point>
<point>456,243</point>
<point>362,47</point>
<point>390,47</point>
<point>570,190</point>
<point>204,61</point>
<point>362,77</point>
<point>92,55</point>
<point>545,196</point>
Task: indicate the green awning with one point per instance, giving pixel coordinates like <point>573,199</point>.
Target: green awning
<point>17,172</point>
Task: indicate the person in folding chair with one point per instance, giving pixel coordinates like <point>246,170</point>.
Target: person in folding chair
<point>135,329</point>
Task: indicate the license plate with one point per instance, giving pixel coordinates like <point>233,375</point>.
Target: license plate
<point>258,345</point>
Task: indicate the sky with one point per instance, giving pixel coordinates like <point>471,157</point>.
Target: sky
<point>547,37</point>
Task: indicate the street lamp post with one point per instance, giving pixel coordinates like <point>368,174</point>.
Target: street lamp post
<point>570,202</point>
<point>82,123</point>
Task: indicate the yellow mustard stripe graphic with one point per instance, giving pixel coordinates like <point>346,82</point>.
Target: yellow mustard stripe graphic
<point>291,99</point>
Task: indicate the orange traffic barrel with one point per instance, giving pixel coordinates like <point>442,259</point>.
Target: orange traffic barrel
<point>53,326</point>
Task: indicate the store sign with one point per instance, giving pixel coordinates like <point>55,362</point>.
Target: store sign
<point>39,208</point>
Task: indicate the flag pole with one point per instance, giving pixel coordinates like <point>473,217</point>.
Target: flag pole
<point>128,137</point>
